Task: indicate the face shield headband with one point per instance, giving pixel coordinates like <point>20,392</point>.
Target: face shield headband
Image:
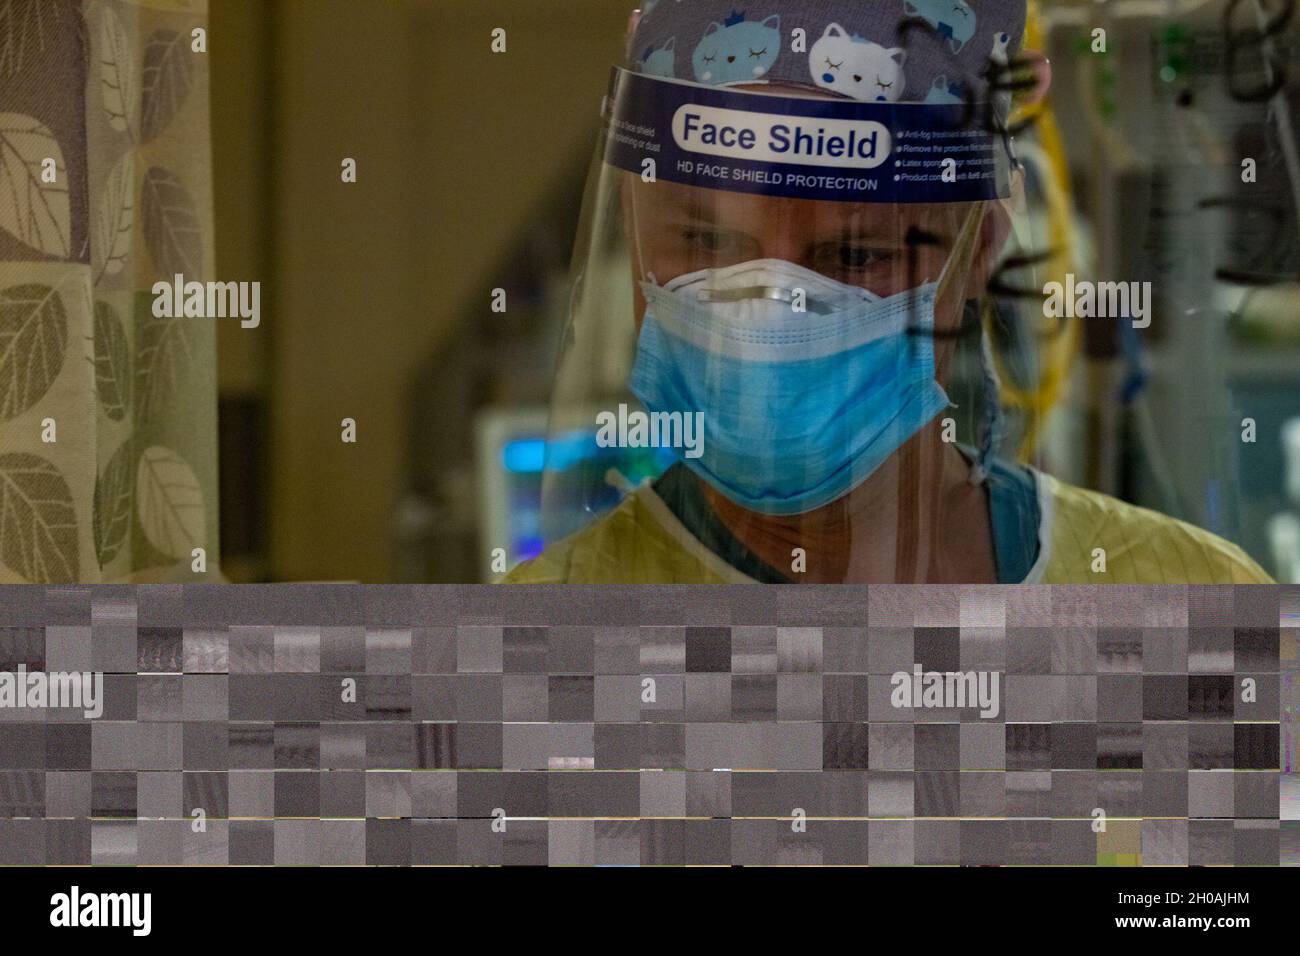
<point>802,147</point>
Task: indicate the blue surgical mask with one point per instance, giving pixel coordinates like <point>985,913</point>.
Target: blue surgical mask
<point>799,407</point>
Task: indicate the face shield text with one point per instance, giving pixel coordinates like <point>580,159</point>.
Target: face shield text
<point>765,137</point>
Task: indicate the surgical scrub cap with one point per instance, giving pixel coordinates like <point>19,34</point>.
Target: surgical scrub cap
<point>912,51</point>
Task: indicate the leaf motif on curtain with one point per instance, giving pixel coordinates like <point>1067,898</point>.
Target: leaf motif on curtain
<point>172,231</point>
<point>167,80</point>
<point>37,213</point>
<point>33,341</point>
<point>110,96</point>
<point>117,76</point>
<point>112,363</point>
<point>169,503</point>
<point>116,223</point>
<point>114,497</point>
<point>38,526</point>
<point>164,355</point>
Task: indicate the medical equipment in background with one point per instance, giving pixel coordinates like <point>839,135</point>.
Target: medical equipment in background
<point>1155,152</point>
<point>491,360</point>
<point>510,453</point>
<point>511,448</point>
<point>476,407</point>
<point>1053,233</point>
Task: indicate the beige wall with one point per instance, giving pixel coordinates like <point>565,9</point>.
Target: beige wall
<point>240,89</point>
<point>456,147</point>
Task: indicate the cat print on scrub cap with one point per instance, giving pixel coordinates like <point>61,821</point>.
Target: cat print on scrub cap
<point>952,19</point>
<point>941,91</point>
<point>661,61</point>
<point>854,49</point>
<point>738,50</point>
<point>855,67</point>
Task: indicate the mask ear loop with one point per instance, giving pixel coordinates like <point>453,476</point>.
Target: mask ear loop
<point>990,429</point>
<point>965,239</point>
<point>636,242</point>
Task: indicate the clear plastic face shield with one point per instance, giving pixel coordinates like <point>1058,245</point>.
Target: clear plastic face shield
<point>776,359</point>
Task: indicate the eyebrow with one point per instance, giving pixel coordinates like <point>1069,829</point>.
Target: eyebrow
<point>685,201</point>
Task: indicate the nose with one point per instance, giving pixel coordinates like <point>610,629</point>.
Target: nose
<point>828,77</point>
<point>731,59</point>
<point>856,78</point>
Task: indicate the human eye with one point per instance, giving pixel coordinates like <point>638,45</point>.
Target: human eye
<point>711,242</point>
<point>848,257</point>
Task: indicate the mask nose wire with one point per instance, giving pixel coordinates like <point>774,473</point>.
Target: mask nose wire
<point>774,293</point>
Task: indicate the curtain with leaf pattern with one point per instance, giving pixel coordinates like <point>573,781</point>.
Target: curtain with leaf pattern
<point>107,414</point>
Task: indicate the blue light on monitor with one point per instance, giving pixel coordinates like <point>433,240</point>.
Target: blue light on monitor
<point>526,456</point>
<point>529,456</point>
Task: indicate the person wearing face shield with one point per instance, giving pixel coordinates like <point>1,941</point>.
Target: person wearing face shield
<point>785,255</point>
